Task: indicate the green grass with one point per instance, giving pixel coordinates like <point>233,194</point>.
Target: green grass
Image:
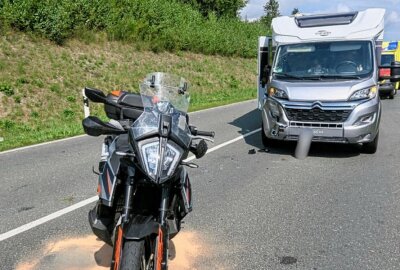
<point>41,82</point>
<point>157,25</point>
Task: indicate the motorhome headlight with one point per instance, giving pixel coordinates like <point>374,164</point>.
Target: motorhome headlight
<point>278,93</point>
<point>369,92</point>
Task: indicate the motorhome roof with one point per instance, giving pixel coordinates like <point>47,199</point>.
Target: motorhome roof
<point>367,24</point>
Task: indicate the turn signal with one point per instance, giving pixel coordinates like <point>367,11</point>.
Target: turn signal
<point>271,91</point>
<point>116,93</point>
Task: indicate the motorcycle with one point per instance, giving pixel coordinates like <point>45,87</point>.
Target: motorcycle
<point>144,188</point>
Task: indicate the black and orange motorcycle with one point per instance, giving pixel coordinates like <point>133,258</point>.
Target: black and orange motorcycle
<point>144,188</point>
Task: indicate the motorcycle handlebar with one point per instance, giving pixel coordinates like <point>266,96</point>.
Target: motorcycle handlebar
<point>206,133</point>
<point>196,132</point>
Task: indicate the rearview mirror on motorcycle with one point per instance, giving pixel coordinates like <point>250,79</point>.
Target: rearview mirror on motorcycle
<point>200,149</point>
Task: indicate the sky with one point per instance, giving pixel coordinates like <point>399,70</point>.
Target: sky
<point>254,9</point>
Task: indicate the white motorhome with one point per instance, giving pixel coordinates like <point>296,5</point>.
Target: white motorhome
<point>320,72</point>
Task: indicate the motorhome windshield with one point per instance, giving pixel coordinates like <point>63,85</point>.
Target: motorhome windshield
<point>339,60</point>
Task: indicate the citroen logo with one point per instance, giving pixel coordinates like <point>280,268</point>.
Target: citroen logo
<point>323,33</point>
<point>316,104</point>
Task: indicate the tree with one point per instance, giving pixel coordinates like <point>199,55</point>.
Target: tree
<point>295,11</point>
<point>271,10</point>
<point>221,8</point>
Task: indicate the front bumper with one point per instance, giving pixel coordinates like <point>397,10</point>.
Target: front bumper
<point>361,125</point>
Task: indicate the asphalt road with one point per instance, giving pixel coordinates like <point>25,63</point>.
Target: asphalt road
<point>337,209</point>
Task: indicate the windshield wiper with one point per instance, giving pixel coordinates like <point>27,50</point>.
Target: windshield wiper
<point>321,77</point>
<point>288,76</point>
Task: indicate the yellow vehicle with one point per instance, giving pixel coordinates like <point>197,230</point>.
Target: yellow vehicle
<point>390,53</point>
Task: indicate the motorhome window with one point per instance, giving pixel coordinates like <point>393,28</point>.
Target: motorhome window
<point>324,60</point>
<point>325,20</point>
<point>387,59</point>
<point>300,48</point>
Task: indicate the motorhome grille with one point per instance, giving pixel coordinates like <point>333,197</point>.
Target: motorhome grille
<point>317,115</point>
<point>316,124</point>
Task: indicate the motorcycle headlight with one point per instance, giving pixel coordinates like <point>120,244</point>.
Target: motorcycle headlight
<point>364,93</point>
<point>154,163</point>
<point>278,93</point>
<point>170,159</point>
<point>151,158</point>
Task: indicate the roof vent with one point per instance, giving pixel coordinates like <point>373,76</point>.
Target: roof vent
<point>325,20</point>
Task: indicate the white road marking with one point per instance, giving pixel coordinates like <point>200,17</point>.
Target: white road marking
<point>225,106</point>
<point>233,140</point>
<point>44,143</point>
<point>47,218</point>
<point>83,203</point>
<point>84,135</point>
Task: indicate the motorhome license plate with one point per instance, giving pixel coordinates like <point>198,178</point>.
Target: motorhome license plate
<point>319,132</point>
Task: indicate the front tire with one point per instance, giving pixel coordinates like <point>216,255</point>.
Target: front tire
<point>371,147</point>
<point>133,256</point>
<point>267,142</point>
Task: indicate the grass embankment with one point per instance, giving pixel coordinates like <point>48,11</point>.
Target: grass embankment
<point>40,82</point>
<point>156,25</point>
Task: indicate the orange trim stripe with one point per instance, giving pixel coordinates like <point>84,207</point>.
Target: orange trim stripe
<point>160,249</point>
<point>118,245</point>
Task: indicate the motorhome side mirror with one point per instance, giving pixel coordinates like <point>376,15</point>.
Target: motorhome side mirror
<point>265,75</point>
<point>391,72</point>
<point>268,70</point>
<point>95,95</point>
<point>395,72</point>
<point>384,73</point>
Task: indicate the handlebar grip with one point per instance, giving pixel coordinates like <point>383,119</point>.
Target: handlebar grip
<point>206,133</point>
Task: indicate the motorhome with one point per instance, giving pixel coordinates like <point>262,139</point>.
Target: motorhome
<point>390,53</point>
<point>320,72</point>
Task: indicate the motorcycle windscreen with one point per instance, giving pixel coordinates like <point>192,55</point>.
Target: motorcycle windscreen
<point>148,124</point>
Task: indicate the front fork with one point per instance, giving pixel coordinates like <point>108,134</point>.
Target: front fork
<point>126,211</point>
<point>162,240</point>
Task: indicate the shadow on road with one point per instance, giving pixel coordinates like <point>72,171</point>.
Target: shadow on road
<point>247,123</point>
<point>326,150</point>
<point>103,256</point>
<point>252,121</point>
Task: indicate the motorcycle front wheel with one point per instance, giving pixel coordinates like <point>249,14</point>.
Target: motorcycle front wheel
<point>133,256</point>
